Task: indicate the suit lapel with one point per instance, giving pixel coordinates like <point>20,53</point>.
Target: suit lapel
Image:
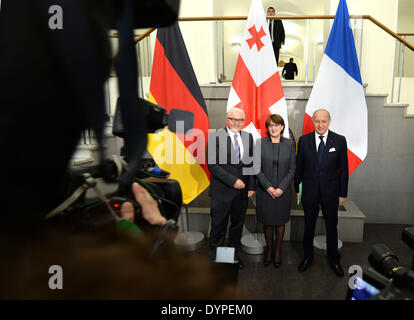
<point>313,148</point>
<point>245,142</point>
<point>231,154</point>
<point>266,148</point>
<point>329,143</point>
<point>247,148</point>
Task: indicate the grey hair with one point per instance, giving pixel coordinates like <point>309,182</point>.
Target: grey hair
<point>329,115</point>
<point>235,109</point>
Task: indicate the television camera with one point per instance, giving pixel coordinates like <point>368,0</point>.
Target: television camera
<point>148,118</point>
<point>386,279</point>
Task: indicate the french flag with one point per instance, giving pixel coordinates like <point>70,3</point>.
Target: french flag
<point>256,86</point>
<point>338,88</point>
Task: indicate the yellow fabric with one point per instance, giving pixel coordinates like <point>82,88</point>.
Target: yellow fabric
<point>171,155</point>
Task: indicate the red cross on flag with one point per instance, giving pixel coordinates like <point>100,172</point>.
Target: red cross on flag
<point>256,87</point>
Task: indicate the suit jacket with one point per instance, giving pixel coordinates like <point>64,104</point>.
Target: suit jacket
<point>286,164</point>
<point>289,70</point>
<point>331,176</point>
<point>278,33</point>
<point>224,168</point>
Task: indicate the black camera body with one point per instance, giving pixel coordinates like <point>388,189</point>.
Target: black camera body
<point>386,279</point>
<point>93,213</point>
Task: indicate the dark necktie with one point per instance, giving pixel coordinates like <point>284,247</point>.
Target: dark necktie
<point>271,22</point>
<point>321,149</point>
<point>237,148</point>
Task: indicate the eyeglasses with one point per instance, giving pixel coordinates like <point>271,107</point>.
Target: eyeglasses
<point>235,120</point>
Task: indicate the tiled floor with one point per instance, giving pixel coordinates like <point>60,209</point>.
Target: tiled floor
<point>319,282</point>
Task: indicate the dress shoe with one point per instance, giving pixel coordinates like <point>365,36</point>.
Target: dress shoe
<point>337,269</point>
<point>241,263</point>
<point>276,263</point>
<point>266,262</point>
<point>305,264</point>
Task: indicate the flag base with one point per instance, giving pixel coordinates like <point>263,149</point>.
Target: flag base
<point>319,243</point>
<point>253,243</point>
<point>189,241</point>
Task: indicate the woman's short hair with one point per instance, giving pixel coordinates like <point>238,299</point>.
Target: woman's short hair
<point>275,118</point>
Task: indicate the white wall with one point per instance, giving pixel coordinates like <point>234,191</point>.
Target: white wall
<point>199,38</point>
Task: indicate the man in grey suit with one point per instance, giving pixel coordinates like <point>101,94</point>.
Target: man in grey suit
<point>230,155</point>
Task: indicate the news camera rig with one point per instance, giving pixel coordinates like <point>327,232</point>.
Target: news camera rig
<point>386,279</point>
<point>134,118</point>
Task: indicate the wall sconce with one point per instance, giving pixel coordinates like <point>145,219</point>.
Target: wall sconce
<point>236,42</point>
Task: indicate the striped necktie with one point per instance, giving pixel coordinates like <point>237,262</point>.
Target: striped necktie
<point>237,148</point>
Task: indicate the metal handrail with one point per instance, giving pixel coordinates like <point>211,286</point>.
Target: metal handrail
<point>399,37</point>
<point>298,17</point>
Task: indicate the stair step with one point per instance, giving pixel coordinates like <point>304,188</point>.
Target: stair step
<point>397,105</point>
<point>81,156</point>
<point>408,115</point>
<point>89,147</point>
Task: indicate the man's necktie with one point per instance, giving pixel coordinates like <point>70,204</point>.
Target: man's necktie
<point>271,22</point>
<point>237,148</point>
<point>321,149</point>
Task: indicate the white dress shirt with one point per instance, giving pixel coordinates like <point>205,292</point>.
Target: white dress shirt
<point>318,141</point>
<point>239,140</point>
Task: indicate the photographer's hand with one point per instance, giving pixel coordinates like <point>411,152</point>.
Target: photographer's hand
<point>149,206</point>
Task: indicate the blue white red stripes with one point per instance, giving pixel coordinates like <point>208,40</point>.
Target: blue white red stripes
<point>338,88</point>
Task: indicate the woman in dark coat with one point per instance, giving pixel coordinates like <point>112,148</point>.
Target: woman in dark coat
<point>273,197</point>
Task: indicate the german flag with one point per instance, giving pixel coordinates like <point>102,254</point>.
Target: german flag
<point>174,86</point>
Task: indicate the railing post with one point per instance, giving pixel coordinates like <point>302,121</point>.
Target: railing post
<point>307,50</point>
<point>217,55</point>
<point>314,49</point>
<point>360,45</point>
<point>354,27</point>
<point>222,49</point>
<point>393,71</point>
<point>401,70</point>
<point>140,72</point>
<point>149,69</point>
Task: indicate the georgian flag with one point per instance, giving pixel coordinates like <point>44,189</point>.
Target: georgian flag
<point>338,88</point>
<point>256,87</point>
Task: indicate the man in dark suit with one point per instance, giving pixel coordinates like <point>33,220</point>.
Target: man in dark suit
<point>277,32</point>
<point>289,70</point>
<point>229,154</point>
<point>322,167</point>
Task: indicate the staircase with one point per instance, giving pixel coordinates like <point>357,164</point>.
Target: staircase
<point>87,151</point>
